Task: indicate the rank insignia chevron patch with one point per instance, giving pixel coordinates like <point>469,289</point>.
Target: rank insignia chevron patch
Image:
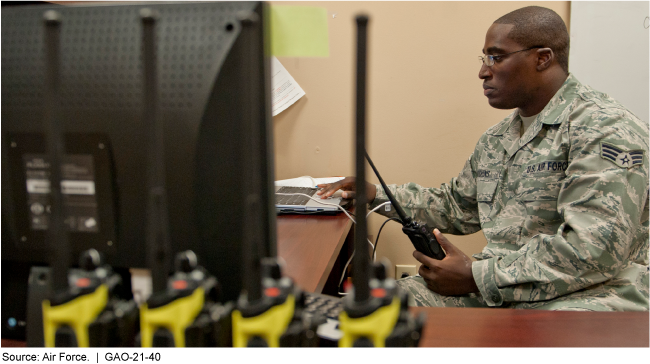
<point>620,157</point>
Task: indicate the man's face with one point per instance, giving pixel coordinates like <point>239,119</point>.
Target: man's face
<point>510,82</point>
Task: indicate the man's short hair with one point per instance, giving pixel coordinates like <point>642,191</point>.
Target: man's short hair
<point>535,26</point>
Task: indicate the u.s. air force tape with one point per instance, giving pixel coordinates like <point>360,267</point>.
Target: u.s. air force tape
<point>621,157</point>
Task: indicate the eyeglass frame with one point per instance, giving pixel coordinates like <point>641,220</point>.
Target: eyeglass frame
<point>494,58</point>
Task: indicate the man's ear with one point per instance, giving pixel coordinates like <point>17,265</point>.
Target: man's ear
<point>545,57</point>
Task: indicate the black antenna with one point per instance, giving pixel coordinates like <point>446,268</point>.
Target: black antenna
<point>420,234</point>
<point>402,215</point>
<point>158,240</point>
<point>57,235</point>
<point>361,264</point>
<point>254,239</point>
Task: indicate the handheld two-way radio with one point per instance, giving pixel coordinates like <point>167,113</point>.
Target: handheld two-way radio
<point>383,319</point>
<point>182,310</point>
<point>81,310</point>
<point>181,315</point>
<point>275,318</point>
<point>86,314</point>
<point>269,310</point>
<point>421,234</point>
<point>375,312</point>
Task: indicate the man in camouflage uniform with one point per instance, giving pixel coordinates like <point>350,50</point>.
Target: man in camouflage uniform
<point>559,188</point>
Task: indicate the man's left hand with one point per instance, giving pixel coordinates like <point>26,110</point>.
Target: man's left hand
<point>451,276</point>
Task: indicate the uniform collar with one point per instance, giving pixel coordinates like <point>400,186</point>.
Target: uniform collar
<point>563,98</point>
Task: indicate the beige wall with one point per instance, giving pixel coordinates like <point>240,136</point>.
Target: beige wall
<point>426,109</point>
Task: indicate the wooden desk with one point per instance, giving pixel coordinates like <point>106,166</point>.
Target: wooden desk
<point>493,327</point>
<point>8,343</point>
<point>310,246</point>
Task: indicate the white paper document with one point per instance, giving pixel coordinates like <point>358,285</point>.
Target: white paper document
<point>286,90</point>
<point>306,181</point>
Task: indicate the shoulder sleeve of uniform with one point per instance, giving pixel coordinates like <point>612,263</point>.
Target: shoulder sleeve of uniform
<point>611,131</point>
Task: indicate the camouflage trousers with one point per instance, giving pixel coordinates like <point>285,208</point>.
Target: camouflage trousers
<point>597,298</point>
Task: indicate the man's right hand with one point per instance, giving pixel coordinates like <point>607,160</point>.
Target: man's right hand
<point>347,185</point>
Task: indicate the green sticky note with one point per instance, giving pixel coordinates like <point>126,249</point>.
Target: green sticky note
<point>299,31</point>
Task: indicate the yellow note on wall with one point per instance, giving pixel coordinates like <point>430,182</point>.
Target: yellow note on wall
<point>299,31</point>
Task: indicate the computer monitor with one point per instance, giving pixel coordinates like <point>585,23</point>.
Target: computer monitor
<point>213,81</point>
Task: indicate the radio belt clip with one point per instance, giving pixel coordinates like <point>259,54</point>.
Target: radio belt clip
<point>275,319</point>
<point>69,315</point>
<point>166,315</point>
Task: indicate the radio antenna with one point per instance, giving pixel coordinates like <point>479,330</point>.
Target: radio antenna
<point>57,235</point>
<point>157,238</point>
<point>402,215</point>
<point>361,264</point>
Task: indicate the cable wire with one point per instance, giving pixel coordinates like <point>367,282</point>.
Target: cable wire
<point>377,208</point>
<point>382,226</point>
<point>343,274</point>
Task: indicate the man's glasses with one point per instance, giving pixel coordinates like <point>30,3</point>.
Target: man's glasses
<point>490,59</point>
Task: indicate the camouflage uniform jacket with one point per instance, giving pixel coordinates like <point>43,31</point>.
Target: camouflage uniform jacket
<point>564,208</point>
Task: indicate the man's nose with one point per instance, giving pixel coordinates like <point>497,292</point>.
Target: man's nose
<point>484,72</point>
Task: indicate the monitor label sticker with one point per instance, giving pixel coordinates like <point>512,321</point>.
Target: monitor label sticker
<point>77,187</point>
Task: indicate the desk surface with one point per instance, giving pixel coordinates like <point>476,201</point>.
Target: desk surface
<point>493,327</point>
<point>309,246</point>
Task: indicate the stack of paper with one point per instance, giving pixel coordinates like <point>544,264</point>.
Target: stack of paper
<point>306,181</point>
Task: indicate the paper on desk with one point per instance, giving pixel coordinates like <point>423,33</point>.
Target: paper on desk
<point>285,91</point>
<point>306,181</point>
